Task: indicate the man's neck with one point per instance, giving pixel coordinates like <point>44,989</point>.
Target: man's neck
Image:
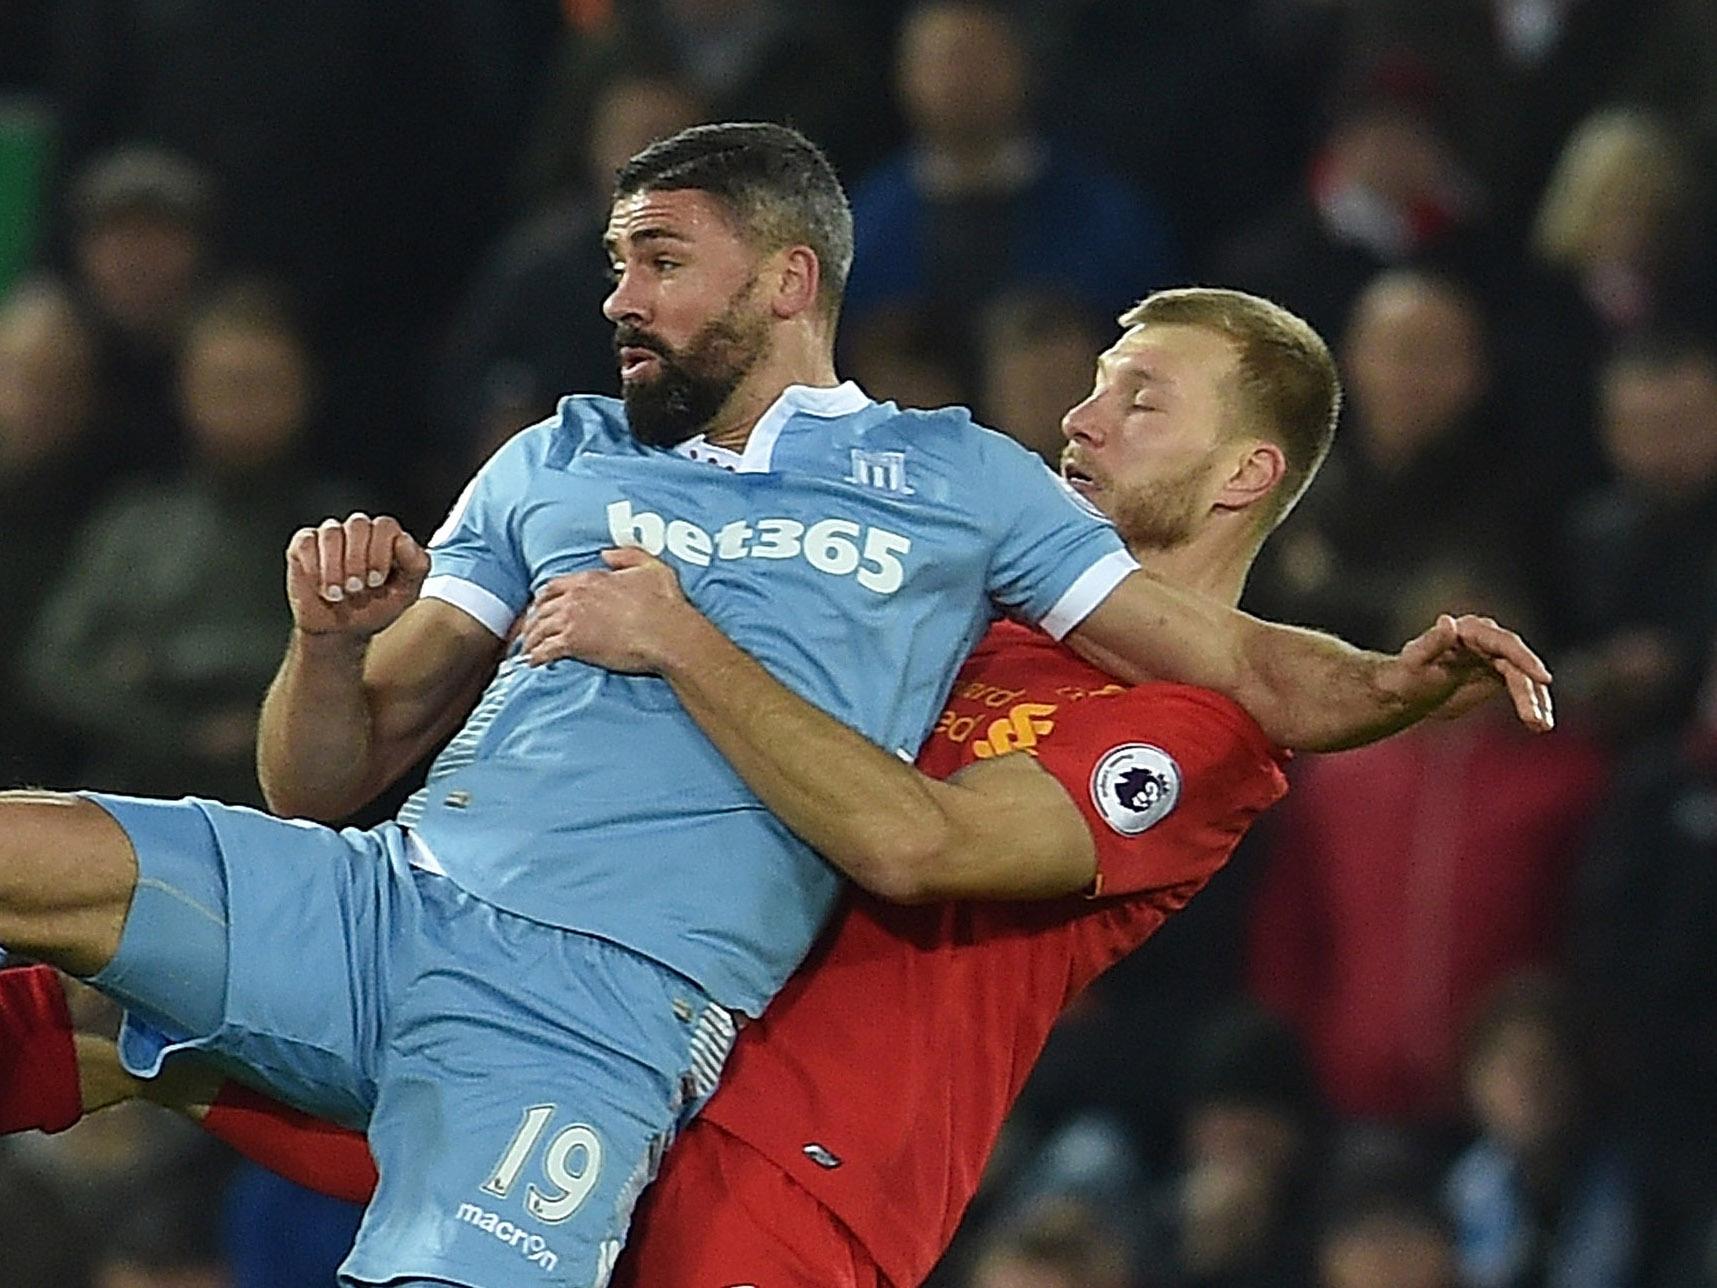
<point>1214,565</point>
<point>794,365</point>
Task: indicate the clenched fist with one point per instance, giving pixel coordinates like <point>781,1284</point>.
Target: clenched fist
<point>352,578</point>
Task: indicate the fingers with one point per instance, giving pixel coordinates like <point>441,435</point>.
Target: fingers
<point>1483,635</point>
<point>1426,648</point>
<point>331,560</point>
<point>409,557</point>
<point>1531,698</point>
<point>345,558</point>
<point>628,557</point>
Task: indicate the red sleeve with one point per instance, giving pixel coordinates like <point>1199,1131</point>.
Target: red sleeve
<point>317,1155</point>
<point>38,1053</point>
<point>1168,778</point>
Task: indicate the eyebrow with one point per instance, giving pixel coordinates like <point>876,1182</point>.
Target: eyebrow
<point>643,236</point>
<point>1136,368</point>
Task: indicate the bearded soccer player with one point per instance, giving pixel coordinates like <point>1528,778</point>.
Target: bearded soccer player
<point>851,1135</point>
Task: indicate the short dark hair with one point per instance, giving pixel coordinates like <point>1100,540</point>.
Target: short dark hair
<point>777,184</point>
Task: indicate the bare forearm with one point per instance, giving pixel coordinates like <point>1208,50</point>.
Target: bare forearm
<point>1308,691</point>
<point>860,807</point>
<point>314,739</point>
<point>1324,694</point>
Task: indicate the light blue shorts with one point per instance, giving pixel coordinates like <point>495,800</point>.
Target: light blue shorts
<point>519,1083</point>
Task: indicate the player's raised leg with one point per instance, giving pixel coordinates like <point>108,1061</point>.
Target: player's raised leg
<point>67,876</point>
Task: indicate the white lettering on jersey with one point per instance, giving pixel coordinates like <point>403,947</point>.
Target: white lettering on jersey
<point>838,547</point>
<point>883,470</point>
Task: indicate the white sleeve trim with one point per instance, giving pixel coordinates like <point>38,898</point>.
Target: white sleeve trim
<point>488,608</point>
<point>1091,589</point>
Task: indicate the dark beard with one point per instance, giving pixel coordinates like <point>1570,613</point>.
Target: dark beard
<point>694,384</point>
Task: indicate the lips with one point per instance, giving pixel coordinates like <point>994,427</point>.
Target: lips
<point>1080,480</point>
<point>635,359</point>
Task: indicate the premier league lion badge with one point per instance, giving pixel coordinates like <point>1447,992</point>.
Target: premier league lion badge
<point>1135,786</point>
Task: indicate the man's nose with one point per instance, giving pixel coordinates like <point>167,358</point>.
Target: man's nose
<point>625,302</point>
<point>1081,423</point>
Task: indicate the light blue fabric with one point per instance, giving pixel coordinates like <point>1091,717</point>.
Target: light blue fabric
<point>519,1083</point>
<point>590,800</point>
<point>1595,1243</point>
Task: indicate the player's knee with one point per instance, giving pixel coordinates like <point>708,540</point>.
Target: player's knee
<point>67,874</point>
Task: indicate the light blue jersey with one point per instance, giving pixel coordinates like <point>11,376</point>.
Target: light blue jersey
<point>856,550</point>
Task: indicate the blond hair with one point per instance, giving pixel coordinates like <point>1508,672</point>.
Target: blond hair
<point>1617,144</point>
<point>1287,385</point>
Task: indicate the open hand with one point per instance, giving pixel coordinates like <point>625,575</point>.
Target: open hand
<point>1462,661</point>
<point>629,619</point>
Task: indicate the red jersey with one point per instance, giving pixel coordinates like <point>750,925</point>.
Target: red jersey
<point>879,1077</point>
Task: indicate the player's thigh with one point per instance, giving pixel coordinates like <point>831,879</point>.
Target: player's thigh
<point>532,1080</point>
<point>722,1215</point>
<point>67,873</point>
<point>261,942</point>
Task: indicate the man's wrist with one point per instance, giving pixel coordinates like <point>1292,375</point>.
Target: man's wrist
<point>332,645</point>
<point>691,641</point>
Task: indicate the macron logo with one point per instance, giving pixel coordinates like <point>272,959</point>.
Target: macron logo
<point>837,547</point>
<point>532,1247</point>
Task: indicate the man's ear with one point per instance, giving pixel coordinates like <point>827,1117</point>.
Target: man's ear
<point>1257,472</point>
<point>796,277</point>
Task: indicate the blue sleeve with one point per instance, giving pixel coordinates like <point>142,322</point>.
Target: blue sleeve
<point>1057,557</point>
<point>474,558</point>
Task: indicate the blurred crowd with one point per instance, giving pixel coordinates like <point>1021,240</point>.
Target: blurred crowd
<point>1450,1018</point>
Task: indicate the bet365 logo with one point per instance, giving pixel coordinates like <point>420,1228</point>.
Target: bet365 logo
<point>838,547</point>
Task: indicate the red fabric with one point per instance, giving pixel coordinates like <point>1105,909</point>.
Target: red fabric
<point>38,1055</point>
<point>1408,877</point>
<point>720,1213</point>
<point>307,1150</point>
<point>898,1050</point>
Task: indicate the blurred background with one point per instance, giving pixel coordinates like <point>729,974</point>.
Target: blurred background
<point>1450,1018</point>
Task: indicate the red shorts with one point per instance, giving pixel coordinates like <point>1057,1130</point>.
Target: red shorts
<point>721,1215</point>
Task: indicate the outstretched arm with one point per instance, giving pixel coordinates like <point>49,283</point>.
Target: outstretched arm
<point>1003,829</point>
<point>1308,691</point>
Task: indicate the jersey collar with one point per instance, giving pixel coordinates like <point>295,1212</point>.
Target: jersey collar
<point>828,401</point>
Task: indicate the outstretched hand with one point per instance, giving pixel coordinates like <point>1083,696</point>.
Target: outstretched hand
<point>1463,661</point>
<point>629,619</point>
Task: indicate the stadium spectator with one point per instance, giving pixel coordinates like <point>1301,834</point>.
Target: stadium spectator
<point>170,614</point>
<point>1638,570</point>
<point>164,1238</point>
<point>898,355</point>
<point>1036,348</point>
<point>1384,188</point>
<point>531,329</point>
<point>820,68</point>
<point>1520,74</point>
<point>1543,1197</point>
<point>1380,1223</point>
<point>38,1231</point>
<point>48,481</point>
<point>1060,1245</point>
<point>1405,880</point>
<point>278,1235</point>
<point>980,201</point>
<point>1620,223</point>
<point>1420,430</point>
<point>142,245</point>
<point>1119,76</point>
<point>1237,1214</point>
<point>1643,957</point>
